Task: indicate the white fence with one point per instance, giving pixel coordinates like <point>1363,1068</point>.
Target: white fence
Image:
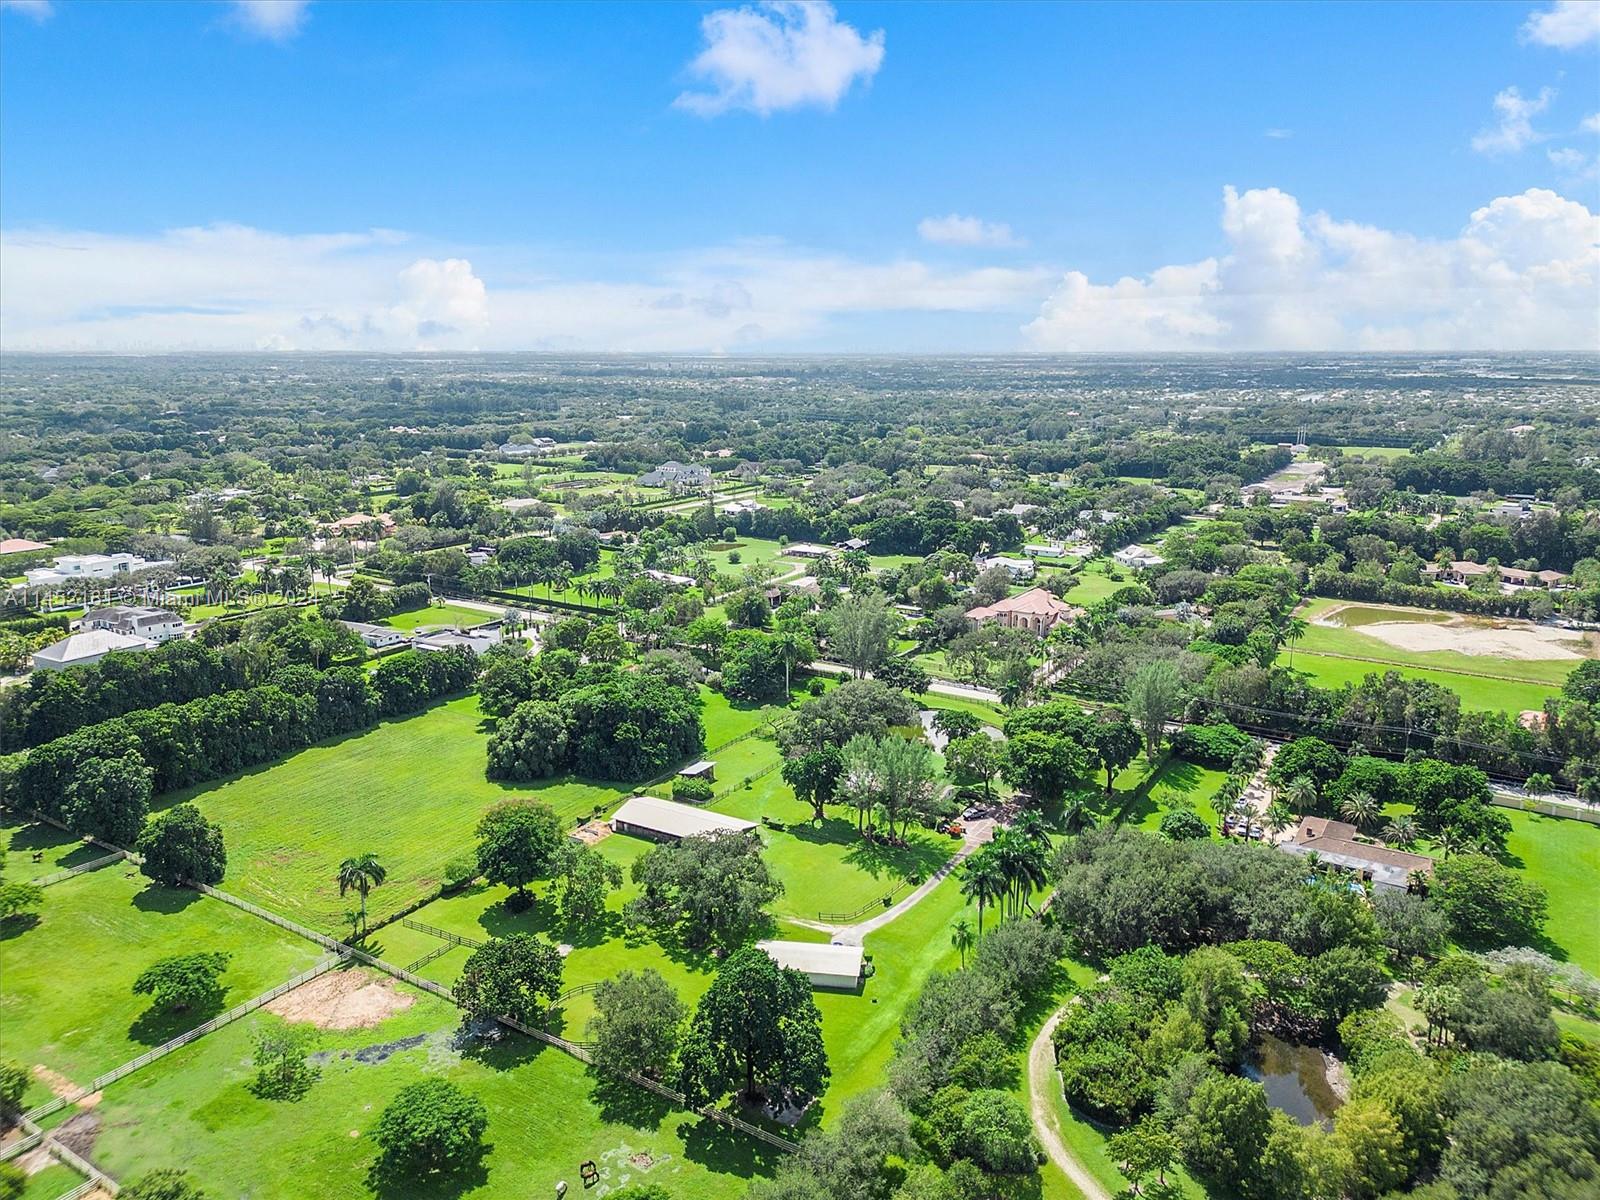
<point>183,1039</point>
<point>80,869</point>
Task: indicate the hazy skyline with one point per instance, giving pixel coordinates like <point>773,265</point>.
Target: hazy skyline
<point>787,177</point>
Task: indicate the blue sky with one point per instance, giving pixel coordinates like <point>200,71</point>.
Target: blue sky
<point>722,177</point>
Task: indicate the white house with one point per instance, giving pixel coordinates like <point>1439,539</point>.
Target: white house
<point>157,624</point>
<point>90,566</point>
<point>477,640</point>
<point>675,474</point>
<point>82,649</point>
<point>668,821</point>
<point>376,637</point>
<point>806,550</point>
<point>1017,568</point>
<point>827,966</point>
<point>539,445</point>
<point>1138,558</point>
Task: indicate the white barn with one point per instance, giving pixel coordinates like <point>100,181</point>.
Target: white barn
<point>668,821</point>
<point>826,966</point>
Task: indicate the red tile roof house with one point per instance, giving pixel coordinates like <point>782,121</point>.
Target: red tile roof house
<point>1339,844</point>
<point>1035,610</point>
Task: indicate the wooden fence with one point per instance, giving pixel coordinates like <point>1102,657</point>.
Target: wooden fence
<point>577,1051</point>
<point>183,1039</point>
<point>80,869</point>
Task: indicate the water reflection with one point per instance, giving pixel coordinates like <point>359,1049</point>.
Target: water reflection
<point>1295,1079</point>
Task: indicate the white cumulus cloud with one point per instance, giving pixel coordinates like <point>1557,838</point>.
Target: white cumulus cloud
<point>275,20</point>
<point>956,230</point>
<point>1522,274</point>
<point>1565,25</point>
<point>1513,128</point>
<point>229,287</point>
<point>785,54</point>
<point>1590,124</point>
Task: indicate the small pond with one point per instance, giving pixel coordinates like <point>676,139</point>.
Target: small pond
<point>1295,1079</point>
<point>1353,616</point>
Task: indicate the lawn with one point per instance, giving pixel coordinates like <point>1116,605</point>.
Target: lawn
<point>410,791</point>
<point>445,616</point>
<point>66,998</point>
<point>1475,691</point>
<point>1176,780</point>
<point>1563,856</point>
<point>57,849</point>
<point>1094,584</point>
<point>546,1115</point>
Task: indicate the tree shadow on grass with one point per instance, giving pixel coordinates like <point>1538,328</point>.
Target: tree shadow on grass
<point>727,1151</point>
<point>919,857</point>
<point>623,1102</point>
<point>542,918</point>
<point>404,1182</point>
<point>164,900</point>
<point>157,1025</point>
<point>13,927</point>
<point>495,1046</point>
<point>39,838</point>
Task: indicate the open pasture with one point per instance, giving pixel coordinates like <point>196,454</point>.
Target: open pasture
<point>410,791</point>
<point>546,1115</point>
<point>66,983</point>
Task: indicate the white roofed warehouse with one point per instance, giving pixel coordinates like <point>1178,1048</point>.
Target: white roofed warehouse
<point>668,821</point>
<point>827,966</point>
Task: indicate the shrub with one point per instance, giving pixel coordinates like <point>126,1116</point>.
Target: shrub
<point>693,791</point>
<point>1210,745</point>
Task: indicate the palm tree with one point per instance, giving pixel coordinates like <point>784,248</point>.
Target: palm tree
<point>1278,817</point>
<point>1022,862</point>
<point>1361,809</point>
<point>1076,815</point>
<point>1449,842</point>
<point>1301,793</point>
<point>361,874</point>
<point>1031,826</point>
<point>983,881</point>
<point>961,938</point>
<point>1290,631</point>
<point>1401,832</point>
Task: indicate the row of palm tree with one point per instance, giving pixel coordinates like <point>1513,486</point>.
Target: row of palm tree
<point>1007,870</point>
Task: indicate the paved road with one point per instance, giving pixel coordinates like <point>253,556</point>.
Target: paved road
<point>1042,1087</point>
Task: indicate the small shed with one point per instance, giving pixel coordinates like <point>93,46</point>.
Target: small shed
<point>668,821</point>
<point>827,966</point>
<point>704,769</point>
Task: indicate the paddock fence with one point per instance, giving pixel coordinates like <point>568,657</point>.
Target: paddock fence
<point>183,1039</point>
<point>574,1049</point>
<point>81,869</point>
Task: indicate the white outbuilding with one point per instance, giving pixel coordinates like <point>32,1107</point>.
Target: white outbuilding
<point>84,649</point>
<point>668,821</point>
<point>827,966</point>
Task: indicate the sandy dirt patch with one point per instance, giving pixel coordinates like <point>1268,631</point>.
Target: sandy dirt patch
<point>62,1086</point>
<point>592,832</point>
<point>79,1133</point>
<point>349,999</point>
<point>1521,640</point>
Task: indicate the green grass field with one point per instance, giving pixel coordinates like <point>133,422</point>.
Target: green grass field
<point>444,616</point>
<point>1176,781</point>
<point>410,791</point>
<point>1563,856</point>
<point>1475,691</point>
<point>546,1115</point>
<point>66,999</point>
<point>56,849</point>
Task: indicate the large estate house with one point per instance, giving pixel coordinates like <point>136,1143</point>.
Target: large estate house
<point>676,474</point>
<point>90,566</point>
<point>1035,610</point>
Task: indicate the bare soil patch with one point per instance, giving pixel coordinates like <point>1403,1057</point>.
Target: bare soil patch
<point>62,1086</point>
<point>79,1133</point>
<point>592,832</point>
<point>349,999</point>
<point>1482,637</point>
